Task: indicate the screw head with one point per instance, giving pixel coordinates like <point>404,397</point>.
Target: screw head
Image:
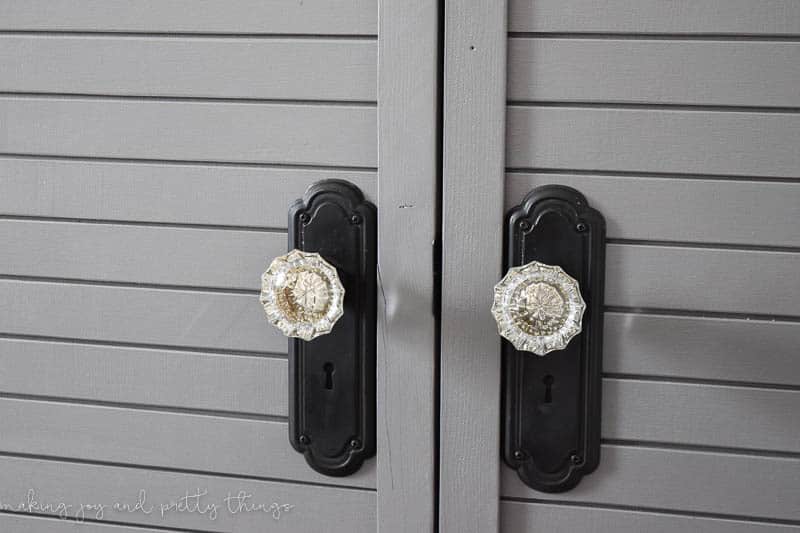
<point>576,459</point>
<point>355,443</point>
<point>304,218</point>
<point>524,225</point>
<point>355,219</point>
<point>580,226</point>
<point>519,455</point>
<point>304,439</point>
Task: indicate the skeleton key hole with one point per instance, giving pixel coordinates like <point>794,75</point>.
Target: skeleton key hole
<point>329,370</point>
<point>548,391</point>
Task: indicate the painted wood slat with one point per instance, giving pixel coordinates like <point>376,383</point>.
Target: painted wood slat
<point>743,73</point>
<point>132,315</point>
<point>315,507</point>
<point>38,524</point>
<point>214,16</point>
<point>524,516</point>
<point>145,376</point>
<point>750,351</point>
<point>658,478</point>
<point>637,140</point>
<point>197,131</point>
<point>701,414</point>
<point>687,210</point>
<point>407,352</point>
<point>142,254</point>
<point>153,192</point>
<point>296,69</point>
<point>674,277</point>
<point>769,17</point>
<point>224,445</point>
<point>473,162</point>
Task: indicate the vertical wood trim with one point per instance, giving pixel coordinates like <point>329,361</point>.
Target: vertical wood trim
<point>473,181</point>
<point>407,198</point>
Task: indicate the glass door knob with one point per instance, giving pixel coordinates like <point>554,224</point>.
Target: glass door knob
<point>538,307</point>
<point>302,295</point>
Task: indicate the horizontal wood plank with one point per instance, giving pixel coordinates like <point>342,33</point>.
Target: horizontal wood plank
<point>525,516</point>
<point>22,523</point>
<point>767,17</point>
<point>112,252</point>
<point>700,414</point>
<point>190,131</point>
<point>223,445</point>
<point>750,351</point>
<point>152,192</point>
<point>133,315</point>
<point>213,16</point>
<point>658,478</point>
<point>145,376</point>
<point>743,73</point>
<point>659,277</point>
<point>314,508</point>
<point>297,69</point>
<point>687,210</point>
<point>676,277</point>
<point>653,140</point>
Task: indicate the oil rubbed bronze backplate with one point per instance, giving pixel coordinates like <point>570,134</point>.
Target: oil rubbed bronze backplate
<point>332,376</point>
<point>549,309</point>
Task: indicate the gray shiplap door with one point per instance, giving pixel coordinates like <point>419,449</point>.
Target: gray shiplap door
<point>679,121</point>
<point>149,151</point>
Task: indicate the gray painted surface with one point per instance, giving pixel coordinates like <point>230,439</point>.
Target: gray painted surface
<point>148,154</point>
<point>679,121</point>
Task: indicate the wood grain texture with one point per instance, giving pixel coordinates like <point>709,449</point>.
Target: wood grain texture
<point>112,252</point>
<point>152,192</point>
<point>677,141</point>
<point>145,376</point>
<point>200,131</point>
<point>315,508</point>
<point>687,210</point>
<point>745,73</point>
<point>694,481</point>
<point>167,317</point>
<point>296,69</point>
<point>523,516</point>
<point>472,207</point>
<point>694,414</point>
<point>213,16</point>
<point>407,206</point>
<point>751,351</point>
<point>214,444</point>
<point>767,17</point>
<point>675,277</point>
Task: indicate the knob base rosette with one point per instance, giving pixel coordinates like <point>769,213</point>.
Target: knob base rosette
<point>302,295</point>
<point>538,308</point>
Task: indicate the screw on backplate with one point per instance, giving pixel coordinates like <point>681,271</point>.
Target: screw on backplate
<point>524,225</point>
<point>519,455</point>
<point>355,443</point>
<point>355,219</point>
<point>304,217</point>
<point>581,226</point>
<point>304,439</point>
<point>576,459</point>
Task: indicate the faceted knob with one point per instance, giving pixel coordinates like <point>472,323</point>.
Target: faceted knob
<point>302,295</point>
<point>538,308</point>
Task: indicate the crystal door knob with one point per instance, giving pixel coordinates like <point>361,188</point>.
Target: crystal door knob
<point>302,295</point>
<point>538,307</point>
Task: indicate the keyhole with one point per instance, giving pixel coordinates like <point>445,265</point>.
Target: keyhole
<point>548,391</point>
<point>328,375</point>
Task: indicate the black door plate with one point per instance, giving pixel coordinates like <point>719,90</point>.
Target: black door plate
<point>551,403</point>
<point>332,378</point>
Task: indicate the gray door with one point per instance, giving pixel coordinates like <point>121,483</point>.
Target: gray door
<point>148,154</point>
<point>678,120</point>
